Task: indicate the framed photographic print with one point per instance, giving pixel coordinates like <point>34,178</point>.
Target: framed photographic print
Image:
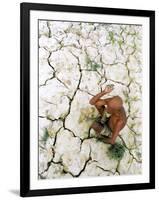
<point>87,99</point>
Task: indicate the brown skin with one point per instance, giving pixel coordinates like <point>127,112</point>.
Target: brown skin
<point>113,106</point>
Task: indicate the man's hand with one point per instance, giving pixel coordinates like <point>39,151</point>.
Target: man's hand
<point>108,88</point>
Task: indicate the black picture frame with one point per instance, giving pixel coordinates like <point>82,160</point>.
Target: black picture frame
<point>25,9</point>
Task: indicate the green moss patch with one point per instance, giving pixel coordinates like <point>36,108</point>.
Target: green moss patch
<point>116,151</point>
<point>46,135</point>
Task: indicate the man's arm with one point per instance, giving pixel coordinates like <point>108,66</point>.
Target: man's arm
<point>97,97</point>
<point>99,103</point>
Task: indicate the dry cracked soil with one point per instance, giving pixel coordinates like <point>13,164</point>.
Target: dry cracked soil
<point>76,61</point>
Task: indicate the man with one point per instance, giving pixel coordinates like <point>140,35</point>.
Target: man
<point>114,107</point>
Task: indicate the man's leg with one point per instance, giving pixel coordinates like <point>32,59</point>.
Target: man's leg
<point>115,132</point>
<point>97,127</point>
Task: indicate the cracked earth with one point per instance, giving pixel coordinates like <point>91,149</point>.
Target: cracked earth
<point>76,61</point>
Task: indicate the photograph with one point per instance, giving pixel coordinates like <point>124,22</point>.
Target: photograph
<point>90,99</point>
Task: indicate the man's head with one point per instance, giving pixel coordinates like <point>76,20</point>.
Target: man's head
<point>115,103</point>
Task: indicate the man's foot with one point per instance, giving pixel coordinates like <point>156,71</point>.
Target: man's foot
<point>108,141</point>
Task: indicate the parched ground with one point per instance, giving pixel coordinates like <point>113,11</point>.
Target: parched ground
<point>76,61</point>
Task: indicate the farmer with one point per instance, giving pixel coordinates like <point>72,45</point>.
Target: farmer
<point>114,108</point>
